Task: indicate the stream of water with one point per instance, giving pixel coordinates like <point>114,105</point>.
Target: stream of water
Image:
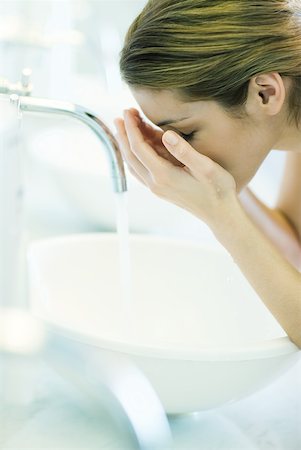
<point>122,222</point>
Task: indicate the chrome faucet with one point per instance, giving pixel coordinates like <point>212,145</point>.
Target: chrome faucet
<point>20,94</point>
<point>89,118</point>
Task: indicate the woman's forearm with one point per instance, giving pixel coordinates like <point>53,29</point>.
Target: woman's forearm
<point>275,280</point>
<point>274,225</point>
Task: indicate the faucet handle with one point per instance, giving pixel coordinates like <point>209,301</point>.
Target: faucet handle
<point>25,84</point>
<point>4,86</point>
<point>23,87</point>
<point>25,77</point>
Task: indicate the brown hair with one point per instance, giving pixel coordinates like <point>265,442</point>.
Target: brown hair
<point>209,49</point>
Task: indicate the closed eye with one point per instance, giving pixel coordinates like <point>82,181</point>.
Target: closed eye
<point>187,137</point>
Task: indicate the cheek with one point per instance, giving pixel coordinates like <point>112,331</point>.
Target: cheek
<point>219,149</point>
<point>231,153</point>
<point>230,143</point>
<point>237,148</point>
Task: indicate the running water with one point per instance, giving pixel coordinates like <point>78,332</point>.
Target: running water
<point>122,221</point>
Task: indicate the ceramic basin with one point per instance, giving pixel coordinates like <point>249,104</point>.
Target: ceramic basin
<point>193,325</point>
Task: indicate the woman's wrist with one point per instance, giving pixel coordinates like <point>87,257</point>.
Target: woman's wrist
<point>229,218</point>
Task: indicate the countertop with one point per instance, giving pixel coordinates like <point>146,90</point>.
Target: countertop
<point>44,413</point>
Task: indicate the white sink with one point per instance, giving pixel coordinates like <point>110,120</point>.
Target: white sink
<point>196,328</point>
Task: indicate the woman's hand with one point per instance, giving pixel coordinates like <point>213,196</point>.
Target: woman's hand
<point>175,171</point>
<point>152,136</point>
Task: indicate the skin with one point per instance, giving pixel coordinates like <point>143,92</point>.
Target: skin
<point>208,176</point>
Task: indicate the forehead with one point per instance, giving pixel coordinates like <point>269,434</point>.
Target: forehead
<point>158,105</point>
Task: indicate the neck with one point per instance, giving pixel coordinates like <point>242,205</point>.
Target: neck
<point>290,138</point>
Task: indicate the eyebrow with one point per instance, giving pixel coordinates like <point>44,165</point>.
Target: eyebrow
<point>167,122</point>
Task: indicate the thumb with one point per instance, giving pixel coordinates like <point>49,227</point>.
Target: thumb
<point>182,150</point>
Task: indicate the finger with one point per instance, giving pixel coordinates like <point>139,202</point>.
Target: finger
<point>148,129</point>
<point>130,168</point>
<point>143,151</point>
<point>119,127</point>
<point>185,153</point>
<point>153,136</point>
<point>135,112</point>
<point>134,165</point>
<point>137,176</point>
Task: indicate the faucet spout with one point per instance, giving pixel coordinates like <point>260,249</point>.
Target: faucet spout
<point>45,105</point>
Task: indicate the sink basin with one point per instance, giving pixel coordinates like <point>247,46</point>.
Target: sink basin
<point>194,325</point>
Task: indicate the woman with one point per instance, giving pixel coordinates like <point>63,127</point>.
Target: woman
<point>221,80</point>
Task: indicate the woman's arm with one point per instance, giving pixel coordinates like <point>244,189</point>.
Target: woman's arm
<point>279,284</point>
<point>275,224</point>
<point>289,202</point>
<point>276,281</point>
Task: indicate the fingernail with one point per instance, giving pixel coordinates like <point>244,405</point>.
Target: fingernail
<point>171,138</point>
<point>128,115</point>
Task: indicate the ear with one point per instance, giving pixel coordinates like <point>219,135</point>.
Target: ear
<point>267,93</point>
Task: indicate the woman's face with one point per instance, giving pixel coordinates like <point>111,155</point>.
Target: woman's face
<point>239,145</point>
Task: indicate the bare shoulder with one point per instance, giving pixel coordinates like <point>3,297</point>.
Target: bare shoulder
<point>289,200</point>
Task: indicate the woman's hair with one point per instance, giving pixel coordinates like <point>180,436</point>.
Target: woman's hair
<point>209,49</point>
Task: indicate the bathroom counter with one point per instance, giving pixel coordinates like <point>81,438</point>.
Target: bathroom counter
<point>44,412</point>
